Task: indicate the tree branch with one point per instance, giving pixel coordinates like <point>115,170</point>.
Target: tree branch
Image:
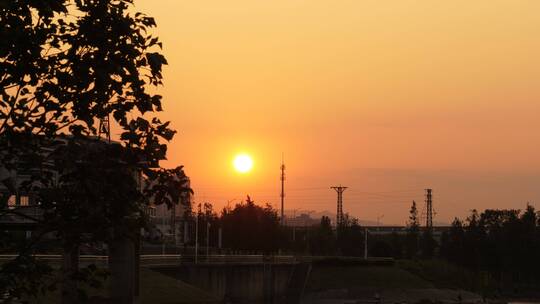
<point>4,123</point>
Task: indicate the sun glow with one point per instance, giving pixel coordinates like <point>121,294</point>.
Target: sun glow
<point>243,163</point>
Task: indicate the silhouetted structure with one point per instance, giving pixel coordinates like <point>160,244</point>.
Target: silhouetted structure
<point>429,209</point>
<point>251,227</point>
<point>168,224</point>
<point>282,219</point>
<point>302,220</point>
<point>339,216</point>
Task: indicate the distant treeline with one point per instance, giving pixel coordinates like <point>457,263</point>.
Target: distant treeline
<point>501,242</point>
<point>504,244</point>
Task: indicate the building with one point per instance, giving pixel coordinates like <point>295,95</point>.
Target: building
<point>168,223</point>
<point>26,204</point>
<point>302,220</point>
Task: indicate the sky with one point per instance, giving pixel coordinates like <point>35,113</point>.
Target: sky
<point>385,97</point>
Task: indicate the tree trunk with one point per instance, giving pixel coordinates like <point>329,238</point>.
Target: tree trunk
<point>123,265</point>
<point>70,265</point>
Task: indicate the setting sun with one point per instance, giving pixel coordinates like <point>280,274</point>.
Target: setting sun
<point>243,163</point>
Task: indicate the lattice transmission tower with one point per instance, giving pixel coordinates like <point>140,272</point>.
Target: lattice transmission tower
<point>339,216</point>
<point>429,209</point>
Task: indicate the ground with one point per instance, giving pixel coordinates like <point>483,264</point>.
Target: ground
<point>155,289</point>
<point>402,282</point>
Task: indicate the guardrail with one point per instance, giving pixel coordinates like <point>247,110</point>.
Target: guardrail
<point>178,259</point>
<point>99,260</point>
<point>170,259</point>
<point>240,259</point>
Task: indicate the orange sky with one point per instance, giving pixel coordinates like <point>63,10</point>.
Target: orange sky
<point>386,97</point>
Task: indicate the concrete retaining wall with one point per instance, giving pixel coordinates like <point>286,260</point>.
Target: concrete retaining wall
<point>240,283</point>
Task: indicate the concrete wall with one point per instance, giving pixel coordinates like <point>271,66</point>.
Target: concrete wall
<point>237,283</point>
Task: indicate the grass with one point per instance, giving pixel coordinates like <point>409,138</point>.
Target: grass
<point>404,274</point>
<point>442,274</point>
<point>409,281</point>
<point>351,277</point>
<point>155,288</point>
<point>161,289</point>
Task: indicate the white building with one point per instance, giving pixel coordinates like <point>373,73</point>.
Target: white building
<point>168,223</point>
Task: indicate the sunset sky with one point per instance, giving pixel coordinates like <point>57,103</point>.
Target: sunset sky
<point>385,97</point>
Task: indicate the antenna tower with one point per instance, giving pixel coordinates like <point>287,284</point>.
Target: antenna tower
<point>282,195</point>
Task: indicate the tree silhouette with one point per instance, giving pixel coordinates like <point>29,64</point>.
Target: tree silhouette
<point>502,243</point>
<point>427,243</point>
<point>251,227</point>
<point>453,242</point>
<point>67,65</point>
<point>474,240</point>
<point>413,230</point>
<point>350,237</point>
<point>322,240</point>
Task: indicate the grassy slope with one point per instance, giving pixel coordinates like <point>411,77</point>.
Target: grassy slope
<point>160,289</point>
<point>442,274</point>
<point>156,288</point>
<point>406,281</point>
<point>337,277</point>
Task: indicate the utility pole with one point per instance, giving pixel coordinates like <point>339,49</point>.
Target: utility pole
<point>207,240</point>
<point>429,210</point>
<point>379,219</point>
<point>282,190</point>
<point>173,224</point>
<point>197,234</point>
<point>164,239</point>
<point>339,216</point>
<point>293,225</point>
<point>365,243</point>
<point>186,233</point>
<point>219,237</point>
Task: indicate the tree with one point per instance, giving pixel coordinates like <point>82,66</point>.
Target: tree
<point>452,243</point>
<point>66,66</point>
<point>501,243</point>
<point>428,243</point>
<point>474,240</point>
<point>322,240</point>
<point>251,227</point>
<point>413,229</point>
<point>68,63</point>
<point>350,238</point>
<point>207,221</point>
<point>529,245</point>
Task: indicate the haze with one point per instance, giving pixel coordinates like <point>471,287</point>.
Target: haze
<point>386,97</point>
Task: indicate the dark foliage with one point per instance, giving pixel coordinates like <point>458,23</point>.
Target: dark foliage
<point>350,237</point>
<point>503,243</point>
<point>323,240</point>
<point>413,231</point>
<point>427,244</point>
<point>66,65</point>
<point>250,227</point>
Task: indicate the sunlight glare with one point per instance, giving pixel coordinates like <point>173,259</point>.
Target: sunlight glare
<point>243,163</point>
